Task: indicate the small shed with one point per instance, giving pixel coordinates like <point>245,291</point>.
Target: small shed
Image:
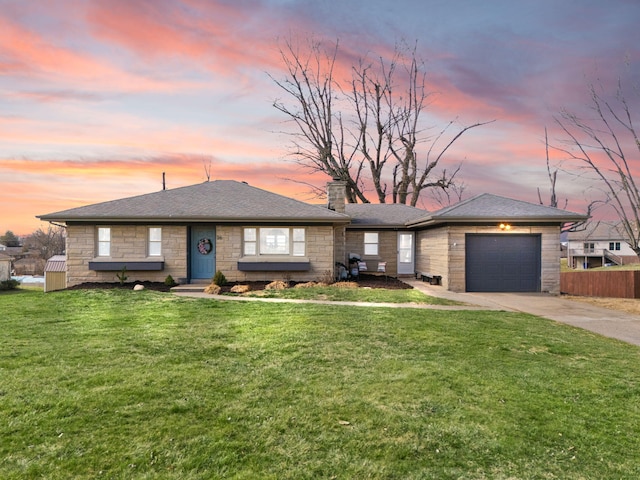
<point>55,273</point>
<point>5,267</point>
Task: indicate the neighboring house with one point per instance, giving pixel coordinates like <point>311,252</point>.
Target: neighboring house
<point>5,267</point>
<point>601,243</point>
<point>2,247</point>
<point>29,264</point>
<point>15,252</point>
<point>487,243</point>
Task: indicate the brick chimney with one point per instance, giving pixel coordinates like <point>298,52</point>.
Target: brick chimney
<point>336,195</point>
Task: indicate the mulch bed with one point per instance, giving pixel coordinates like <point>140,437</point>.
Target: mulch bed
<point>157,286</point>
<point>365,281</point>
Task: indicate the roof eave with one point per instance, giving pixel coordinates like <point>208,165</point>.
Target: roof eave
<point>377,226</point>
<point>193,219</point>
<point>440,220</point>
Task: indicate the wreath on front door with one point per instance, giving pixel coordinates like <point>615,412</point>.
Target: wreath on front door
<point>204,246</point>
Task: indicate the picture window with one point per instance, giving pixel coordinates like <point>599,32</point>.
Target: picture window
<point>274,241</point>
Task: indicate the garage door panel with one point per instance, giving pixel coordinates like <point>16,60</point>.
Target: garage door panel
<point>503,263</point>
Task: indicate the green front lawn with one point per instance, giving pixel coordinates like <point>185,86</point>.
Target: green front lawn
<point>336,293</point>
<point>120,384</point>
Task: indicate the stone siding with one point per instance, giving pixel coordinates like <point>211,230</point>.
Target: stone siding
<point>128,243</point>
<point>387,249</point>
<point>433,253</point>
<point>441,251</point>
<point>319,242</point>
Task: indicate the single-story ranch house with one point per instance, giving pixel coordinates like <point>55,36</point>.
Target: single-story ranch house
<point>485,243</point>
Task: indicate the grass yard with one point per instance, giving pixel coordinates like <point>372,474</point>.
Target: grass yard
<point>120,384</point>
<point>337,293</point>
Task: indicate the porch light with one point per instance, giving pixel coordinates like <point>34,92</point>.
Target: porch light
<point>505,226</point>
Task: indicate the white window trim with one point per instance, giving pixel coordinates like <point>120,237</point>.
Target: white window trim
<point>151,243</point>
<point>103,245</point>
<point>253,242</point>
<point>371,248</point>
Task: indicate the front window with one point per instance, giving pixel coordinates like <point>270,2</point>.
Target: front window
<point>250,241</point>
<point>298,242</point>
<point>155,241</point>
<point>104,241</point>
<point>371,243</point>
<point>274,241</point>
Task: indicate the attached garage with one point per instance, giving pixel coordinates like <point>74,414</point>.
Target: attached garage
<point>503,263</point>
<point>490,243</point>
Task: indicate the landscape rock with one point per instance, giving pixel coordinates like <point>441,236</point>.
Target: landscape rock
<point>213,289</point>
<point>310,284</point>
<point>138,287</point>
<point>240,289</point>
<point>277,285</point>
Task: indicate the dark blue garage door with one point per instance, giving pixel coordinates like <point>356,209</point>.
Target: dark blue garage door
<point>503,263</point>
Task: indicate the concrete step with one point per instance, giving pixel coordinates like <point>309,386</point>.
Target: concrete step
<point>193,287</point>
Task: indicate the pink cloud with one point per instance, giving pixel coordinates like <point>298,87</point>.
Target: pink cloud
<point>34,56</point>
<point>71,184</point>
<point>216,36</point>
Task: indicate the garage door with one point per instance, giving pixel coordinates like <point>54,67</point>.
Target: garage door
<point>503,263</point>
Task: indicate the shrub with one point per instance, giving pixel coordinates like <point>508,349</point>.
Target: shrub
<point>9,284</point>
<point>170,282</point>
<point>122,276</point>
<point>327,278</point>
<point>219,278</point>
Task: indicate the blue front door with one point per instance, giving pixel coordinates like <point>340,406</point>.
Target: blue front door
<point>203,252</point>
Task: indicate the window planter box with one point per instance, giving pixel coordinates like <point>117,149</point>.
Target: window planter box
<point>130,265</point>
<point>274,265</point>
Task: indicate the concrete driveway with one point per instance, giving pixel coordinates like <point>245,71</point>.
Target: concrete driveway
<point>610,323</point>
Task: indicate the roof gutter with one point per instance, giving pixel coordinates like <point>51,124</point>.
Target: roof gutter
<point>279,220</point>
<point>462,220</point>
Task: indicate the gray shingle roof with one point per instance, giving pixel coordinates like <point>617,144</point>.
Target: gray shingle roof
<point>600,231</point>
<point>382,214</point>
<point>220,200</point>
<point>488,207</point>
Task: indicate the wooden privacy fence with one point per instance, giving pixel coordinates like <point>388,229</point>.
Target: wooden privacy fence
<point>614,283</point>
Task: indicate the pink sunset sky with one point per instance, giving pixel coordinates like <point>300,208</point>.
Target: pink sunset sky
<point>99,97</point>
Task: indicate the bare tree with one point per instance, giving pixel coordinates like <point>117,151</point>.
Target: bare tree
<point>319,141</point>
<point>48,242</point>
<point>553,178</point>
<point>378,137</point>
<point>552,174</point>
<point>449,196</point>
<point>604,146</point>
